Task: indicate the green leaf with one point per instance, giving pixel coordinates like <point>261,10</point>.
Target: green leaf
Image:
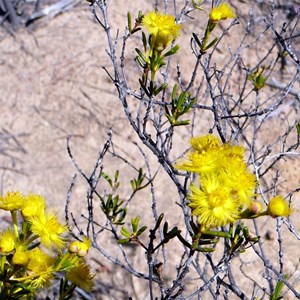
<point>125,232</point>
<point>141,55</point>
<point>135,224</point>
<point>183,241</point>
<point>129,23</point>
<point>121,217</point>
<point>298,129</point>
<point>197,40</point>
<point>160,218</point>
<point>276,295</point>
<point>141,230</point>
<point>173,51</point>
<point>161,88</point>
<point>107,178</point>
<point>174,92</point>
<point>211,233</point>
<point>202,249</point>
<point>124,241</point>
<point>211,44</point>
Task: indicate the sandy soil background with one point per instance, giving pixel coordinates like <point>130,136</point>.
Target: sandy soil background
<point>52,85</point>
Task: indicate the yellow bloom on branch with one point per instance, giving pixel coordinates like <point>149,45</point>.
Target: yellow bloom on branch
<point>278,207</point>
<point>7,241</point>
<point>225,184</point>
<point>40,267</point>
<point>163,29</point>
<point>213,204</point>
<point>81,276</point>
<point>80,248</point>
<point>34,205</point>
<point>47,227</point>
<point>222,12</point>
<point>11,201</point>
<point>21,256</point>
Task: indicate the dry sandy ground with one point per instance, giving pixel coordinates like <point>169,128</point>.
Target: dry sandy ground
<point>52,86</point>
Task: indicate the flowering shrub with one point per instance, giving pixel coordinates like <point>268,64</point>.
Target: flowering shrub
<point>227,180</point>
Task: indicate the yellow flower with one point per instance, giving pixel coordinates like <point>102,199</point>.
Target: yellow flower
<point>222,12</point>
<point>21,256</point>
<point>163,29</point>
<point>33,205</point>
<point>199,163</point>
<point>80,248</point>
<point>204,156</point>
<point>47,227</point>
<point>205,143</point>
<point>81,276</point>
<point>11,201</point>
<point>278,207</point>
<point>238,179</point>
<point>41,265</point>
<point>7,241</point>
<point>213,203</point>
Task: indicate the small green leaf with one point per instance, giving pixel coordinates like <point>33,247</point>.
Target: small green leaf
<point>129,23</point>
<point>135,224</point>
<point>197,40</point>
<point>211,44</point>
<point>161,88</point>
<point>125,232</point>
<point>141,230</point>
<point>298,129</point>
<point>173,51</point>
<point>124,241</point>
<point>211,233</point>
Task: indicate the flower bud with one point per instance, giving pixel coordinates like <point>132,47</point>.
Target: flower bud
<point>255,207</point>
<point>278,207</point>
<point>74,247</point>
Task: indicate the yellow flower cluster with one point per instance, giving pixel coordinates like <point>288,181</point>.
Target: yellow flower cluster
<point>222,12</point>
<point>31,249</point>
<point>163,29</point>
<point>43,224</point>
<point>225,184</point>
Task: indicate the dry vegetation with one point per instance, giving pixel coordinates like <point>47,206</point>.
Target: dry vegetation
<point>53,86</point>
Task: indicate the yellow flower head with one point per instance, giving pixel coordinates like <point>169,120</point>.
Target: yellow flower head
<point>33,205</point>
<point>238,179</point>
<point>213,203</point>
<point>41,265</point>
<point>204,156</point>
<point>199,163</point>
<point>163,29</point>
<point>222,12</point>
<point>47,227</point>
<point>81,276</point>
<point>80,248</point>
<point>7,241</point>
<point>278,207</point>
<point>21,256</point>
<point>11,201</point>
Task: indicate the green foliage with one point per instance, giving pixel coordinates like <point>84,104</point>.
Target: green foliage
<point>180,105</point>
<point>277,293</point>
<point>239,238</point>
<point>258,79</point>
<point>136,183</point>
<point>111,204</point>
<point>135,232</point>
